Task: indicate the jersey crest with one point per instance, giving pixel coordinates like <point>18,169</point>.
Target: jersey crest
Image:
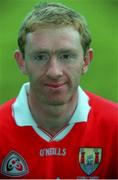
<point>89,159</point>
<point>14,165</point>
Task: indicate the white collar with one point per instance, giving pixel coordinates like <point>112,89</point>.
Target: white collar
<point>23,116</point>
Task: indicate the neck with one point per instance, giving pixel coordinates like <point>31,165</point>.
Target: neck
<point>50,117</point>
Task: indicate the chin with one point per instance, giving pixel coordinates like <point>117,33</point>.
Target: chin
<point>56,103</point>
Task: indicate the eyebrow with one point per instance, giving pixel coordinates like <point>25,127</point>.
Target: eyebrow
<point>63,50</point>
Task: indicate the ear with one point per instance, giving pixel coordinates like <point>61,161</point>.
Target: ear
<point>87,60</point>
<point>20,61</point>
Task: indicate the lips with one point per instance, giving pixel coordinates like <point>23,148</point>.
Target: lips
<point>54,85</point>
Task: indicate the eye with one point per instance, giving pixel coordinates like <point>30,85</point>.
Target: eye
<point>65,57</point>
<point>41,57</point>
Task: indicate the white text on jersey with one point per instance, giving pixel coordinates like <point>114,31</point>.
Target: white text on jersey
<point>52,152</point>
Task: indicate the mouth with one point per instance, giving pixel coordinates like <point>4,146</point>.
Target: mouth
<point>55,85</point>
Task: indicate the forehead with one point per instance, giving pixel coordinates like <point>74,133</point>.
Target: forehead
<point>53,38</point>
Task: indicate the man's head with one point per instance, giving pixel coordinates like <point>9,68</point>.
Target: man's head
<point>54,52</point>
<point>52,15</point>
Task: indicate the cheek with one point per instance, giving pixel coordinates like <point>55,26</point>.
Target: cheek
<point>74,74</point>
<point>33,70</point>
<point>75,70</point>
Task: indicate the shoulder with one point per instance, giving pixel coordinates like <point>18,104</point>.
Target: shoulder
<point>6,106</point>
<point>101,103</point>
<point>103,108</point>
<point>6,115</point>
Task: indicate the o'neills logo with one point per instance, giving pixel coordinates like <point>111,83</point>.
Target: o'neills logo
<point>53,152</point>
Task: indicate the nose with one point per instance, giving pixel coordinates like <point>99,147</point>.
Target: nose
<point>54,69</point>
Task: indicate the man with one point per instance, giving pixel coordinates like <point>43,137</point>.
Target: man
<point>54,129</point>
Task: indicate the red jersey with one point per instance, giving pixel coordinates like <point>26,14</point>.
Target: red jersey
<point>88,150</point>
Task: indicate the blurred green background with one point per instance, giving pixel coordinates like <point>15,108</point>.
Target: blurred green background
<point>102,18</point>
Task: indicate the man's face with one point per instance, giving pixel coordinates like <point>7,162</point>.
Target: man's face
<point>54,63</point>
